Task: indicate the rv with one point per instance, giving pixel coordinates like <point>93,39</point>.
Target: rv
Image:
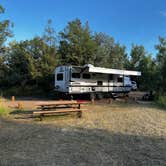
<point>92,80</point>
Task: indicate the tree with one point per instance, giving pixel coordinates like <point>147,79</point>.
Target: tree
<point>105,44</point>
<point>118,57</point>
<point>3,70</point>
<point>142,61</point>
<point>136,55</point>
<point>31,62</point>
<point>20,63</point>
<point>77,46</point>
<point>147,66</point>
<point>161,65</point>
<point>109,54</point>
<point>49,35</point>
<point>5,32</point>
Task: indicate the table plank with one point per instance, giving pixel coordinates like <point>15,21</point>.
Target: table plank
<point>42,113</point>
<point>56,103</point>
<point>60,111</point>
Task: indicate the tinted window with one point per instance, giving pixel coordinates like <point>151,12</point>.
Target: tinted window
<point>120,79</point>
<point>99,83</point>
<point>75,75</point>
<point>86,76</point>
<point>111,77</point>
<point>59,77</point>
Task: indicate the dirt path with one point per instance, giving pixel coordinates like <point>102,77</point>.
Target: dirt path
<point>114,134</point>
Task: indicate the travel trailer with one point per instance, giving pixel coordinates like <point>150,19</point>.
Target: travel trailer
<point>92,80</point>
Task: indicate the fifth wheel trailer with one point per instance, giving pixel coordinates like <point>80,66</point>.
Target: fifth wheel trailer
<point>92,80</point>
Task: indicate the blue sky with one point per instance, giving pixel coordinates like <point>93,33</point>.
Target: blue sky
<point>128,21</point>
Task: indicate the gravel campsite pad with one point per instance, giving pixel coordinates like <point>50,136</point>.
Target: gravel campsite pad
<point>109,134</point>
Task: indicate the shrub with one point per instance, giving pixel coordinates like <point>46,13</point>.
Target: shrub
<point>20,91</point>
<point>162,101</point>
<point>3,111</point>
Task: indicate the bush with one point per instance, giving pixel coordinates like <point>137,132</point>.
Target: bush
<point>162,101</point>
<point>20,91</point>
<point>3,111</point>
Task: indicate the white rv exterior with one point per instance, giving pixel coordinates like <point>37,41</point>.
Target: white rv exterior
<point>90,79</point>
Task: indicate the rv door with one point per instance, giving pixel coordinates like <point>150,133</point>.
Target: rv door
<point>60,77</point>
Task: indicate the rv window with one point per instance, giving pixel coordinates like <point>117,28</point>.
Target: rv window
<point>99,83</point>
<point>111,77</point>
<point>60,77</point>
<point>75,75</point>
<point>86,76</point>
<point>120,79</point>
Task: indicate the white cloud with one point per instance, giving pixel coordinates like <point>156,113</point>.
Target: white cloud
<point>163,13</point>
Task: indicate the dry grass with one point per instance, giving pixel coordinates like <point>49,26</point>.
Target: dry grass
<point>4,110</point>
<point>108,134</point>
<point>119,118</point>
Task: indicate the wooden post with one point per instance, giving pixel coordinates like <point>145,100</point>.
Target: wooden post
<point>92,101</point>
<point>13,98</point>
<point>92,97</point>
<point>109,101</point>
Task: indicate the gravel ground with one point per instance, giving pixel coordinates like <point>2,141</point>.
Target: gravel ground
<point>109,134</point>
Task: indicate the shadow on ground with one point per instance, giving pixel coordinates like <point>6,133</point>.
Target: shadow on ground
<point>134,104</point>
<point>20,112</point>
<point>28,114</point>
<point>37,144</point>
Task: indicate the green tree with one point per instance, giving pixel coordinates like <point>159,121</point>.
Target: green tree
<point>136,55</point>
<point>142,61</point>
<point>49,35</point>
<point>118,57</point>
<point>109,54</point>
<point>148,79</point>
<point>161,65</point>
<point>105,45</point>
<point>5,32</point>
<point>3,70</point>
<point>31,62</point>
<point>20,63</point>
<point>77,46</point>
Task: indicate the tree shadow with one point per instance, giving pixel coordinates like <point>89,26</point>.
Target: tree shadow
<point>152,106</point>
<point>21,112</point>
<point>39,144</point>
<point>134,104</point>
<point>28,114</point>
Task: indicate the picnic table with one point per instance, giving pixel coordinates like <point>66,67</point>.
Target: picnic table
<point>58,107</point>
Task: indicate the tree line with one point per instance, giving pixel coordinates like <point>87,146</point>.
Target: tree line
<point>28,65</point>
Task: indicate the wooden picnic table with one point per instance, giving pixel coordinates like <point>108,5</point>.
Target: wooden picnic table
<point>57,104</point>
<point>55,107</point>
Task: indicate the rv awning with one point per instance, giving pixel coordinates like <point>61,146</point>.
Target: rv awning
<point>93,69</point>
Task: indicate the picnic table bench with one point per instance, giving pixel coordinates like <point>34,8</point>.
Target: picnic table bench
<point>58,104</point>
<point>58,107</point>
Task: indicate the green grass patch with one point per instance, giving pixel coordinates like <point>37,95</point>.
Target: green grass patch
<point>3,111</point>
<point>162,101</point>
